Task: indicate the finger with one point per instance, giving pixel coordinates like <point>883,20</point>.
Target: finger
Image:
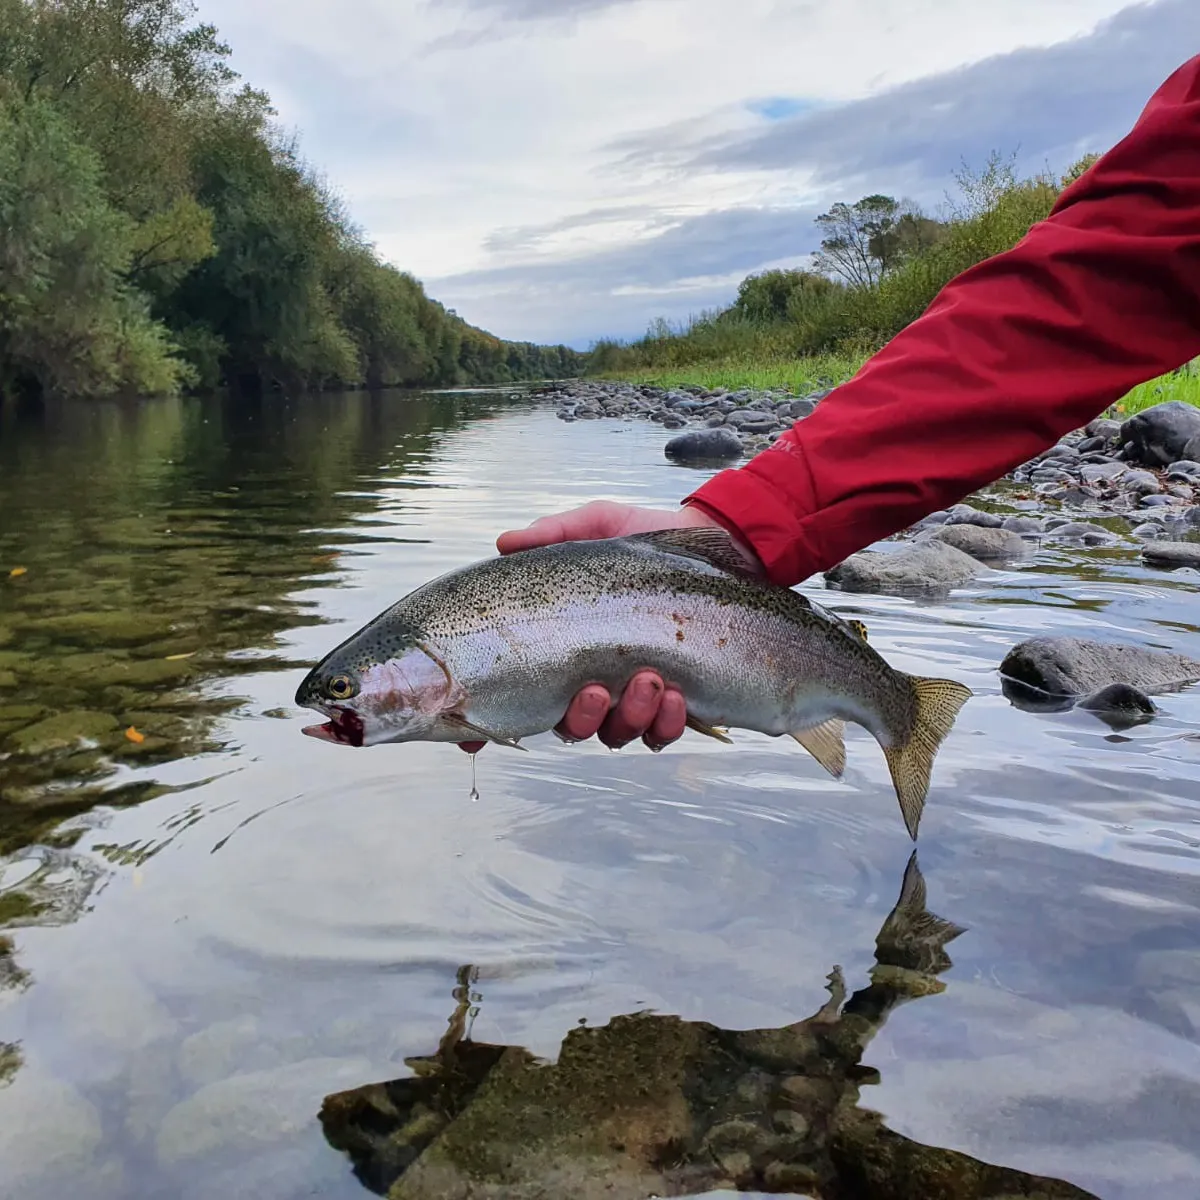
<point>471,747</point>
<point>635,711</point>
<point>671,721</point>
<point>585,713</point>
<point>542,532</point>
<point>599,518</point>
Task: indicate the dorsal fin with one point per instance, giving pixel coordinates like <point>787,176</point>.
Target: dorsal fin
<point>707,543</point>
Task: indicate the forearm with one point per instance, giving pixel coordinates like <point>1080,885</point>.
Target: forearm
<point>1012,354</point>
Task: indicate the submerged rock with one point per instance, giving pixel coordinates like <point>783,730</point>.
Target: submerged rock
<point>63,731</point>
<point>931,566</point>
<point>1067,666</point>
<point>983,543</point>
<point>719,444</point>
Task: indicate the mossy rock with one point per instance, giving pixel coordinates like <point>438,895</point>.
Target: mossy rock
<point>22,714</point>
<point>6,635</point>
<point>18,906</point>
<point>14,659</point>
<point>7,679</point>
<point>102,628</point>
<point>144,672</point>
<point>63,731</point>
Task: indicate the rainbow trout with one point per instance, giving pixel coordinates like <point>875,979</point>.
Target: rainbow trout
<point>495,651</point>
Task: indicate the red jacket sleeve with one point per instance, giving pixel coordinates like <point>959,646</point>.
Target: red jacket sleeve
<point>1012,354</point>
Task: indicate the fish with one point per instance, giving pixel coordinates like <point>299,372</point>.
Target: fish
<point>495,651</point>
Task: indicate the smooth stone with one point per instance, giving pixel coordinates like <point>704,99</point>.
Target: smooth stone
<point>46,1129</point>
<point>1160,435</point>
<point>966,514</point>
<point>1157,500</point>
<point>1082,531</point>
<point>1185,470</point>
<point>1093,472</point>
<point>1022,524</point>
<point>249,1111</point>
<point>927,567</point>
<point>796,410</point>
<point>1119,699</point>
<point>1140,482</point>
<point>1104,427</point>
<point>983,543</point>
<point>718,443</point>
<point>1066,666</point>
<point>1148,531</point>
<point>1172,554</point>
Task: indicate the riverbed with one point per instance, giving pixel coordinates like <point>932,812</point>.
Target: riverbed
<point>215,923</point>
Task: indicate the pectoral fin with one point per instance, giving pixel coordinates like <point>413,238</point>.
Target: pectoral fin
<point>709,730</point>
<point>826,743</point>
<point>479,732</point>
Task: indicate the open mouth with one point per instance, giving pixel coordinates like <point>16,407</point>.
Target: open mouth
<point>343,726</point>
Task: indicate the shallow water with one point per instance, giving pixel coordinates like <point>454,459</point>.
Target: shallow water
<point>236,921</point>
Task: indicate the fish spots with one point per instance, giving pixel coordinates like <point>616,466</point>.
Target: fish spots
<point>722,642</point>
<point>679,635</point>
<point>621,651</point>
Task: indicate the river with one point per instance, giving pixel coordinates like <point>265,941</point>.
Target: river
<point>214,923</point>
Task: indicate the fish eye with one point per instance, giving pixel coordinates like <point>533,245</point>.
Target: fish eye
<point>341,687</point>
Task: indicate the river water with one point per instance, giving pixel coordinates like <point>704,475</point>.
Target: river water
<point>215,922</point>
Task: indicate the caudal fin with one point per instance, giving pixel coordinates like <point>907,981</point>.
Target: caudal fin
<point>911,762</point>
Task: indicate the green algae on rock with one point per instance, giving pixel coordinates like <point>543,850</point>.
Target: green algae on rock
<point>63,732</point>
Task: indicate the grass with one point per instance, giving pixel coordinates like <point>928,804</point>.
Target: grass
<point>795,375</point>
<point>1183,384</point>
<point>807,374</point>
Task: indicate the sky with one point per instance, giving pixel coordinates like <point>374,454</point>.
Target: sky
<point>565,170</point>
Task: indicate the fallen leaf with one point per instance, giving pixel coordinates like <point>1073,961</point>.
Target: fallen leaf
<point>135,737</point>
<point>16,572</point>
<point>177,657</point>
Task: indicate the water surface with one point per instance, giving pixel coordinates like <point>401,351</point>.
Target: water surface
<point>216,923</point>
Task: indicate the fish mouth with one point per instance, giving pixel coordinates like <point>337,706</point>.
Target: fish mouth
<point>344,727</point>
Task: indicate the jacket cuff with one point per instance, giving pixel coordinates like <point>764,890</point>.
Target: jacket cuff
<point>765,503</point>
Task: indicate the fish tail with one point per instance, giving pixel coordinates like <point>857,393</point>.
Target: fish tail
<point>937,704</point>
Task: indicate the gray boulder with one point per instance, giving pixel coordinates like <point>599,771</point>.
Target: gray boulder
<point>982,543</point>
<point>1104,427</point>
<point>1159,436</point>
<point>719,444</point>
<point>1066,666</point>
<point>1172,554</point>
<point>927,567</point>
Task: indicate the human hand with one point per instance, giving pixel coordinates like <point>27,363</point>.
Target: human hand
<point>647,708</point>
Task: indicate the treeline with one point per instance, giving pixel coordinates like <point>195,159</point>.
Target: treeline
<point>881,262</point>
<point>159,232</point>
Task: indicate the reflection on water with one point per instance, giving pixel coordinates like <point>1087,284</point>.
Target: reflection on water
<point>654,1105</point>
<point>209,923</point>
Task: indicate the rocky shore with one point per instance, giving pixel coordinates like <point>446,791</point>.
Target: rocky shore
<point>1140,476</point>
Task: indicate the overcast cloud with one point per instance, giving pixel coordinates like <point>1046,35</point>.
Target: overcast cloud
<point>567,169</point>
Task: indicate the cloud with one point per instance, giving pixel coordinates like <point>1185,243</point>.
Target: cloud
<point>541,10</point>
<point>694,264</point>
<point>1045,103</point>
